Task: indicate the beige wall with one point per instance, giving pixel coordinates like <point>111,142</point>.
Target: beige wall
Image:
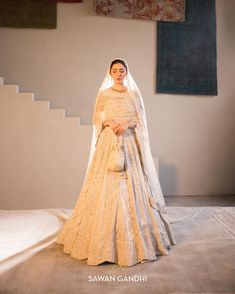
<point>193,136</point>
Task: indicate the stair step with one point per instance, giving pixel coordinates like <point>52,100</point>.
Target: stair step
<point>74,119</point>
<point>26,96</point>
<point>9,89</point>
<point>57,112</point>
<point>43,104</point>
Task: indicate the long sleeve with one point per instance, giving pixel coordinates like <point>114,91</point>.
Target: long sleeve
<point>98,115</point>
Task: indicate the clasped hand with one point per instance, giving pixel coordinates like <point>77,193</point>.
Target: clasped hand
<point>118,128</point>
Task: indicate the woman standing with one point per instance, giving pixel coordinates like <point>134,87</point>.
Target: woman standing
<point>120,216</point>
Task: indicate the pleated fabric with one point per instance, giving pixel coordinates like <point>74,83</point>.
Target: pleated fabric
<point>113,219</point>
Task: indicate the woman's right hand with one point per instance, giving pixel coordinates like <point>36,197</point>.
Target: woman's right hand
<point>112,124</point>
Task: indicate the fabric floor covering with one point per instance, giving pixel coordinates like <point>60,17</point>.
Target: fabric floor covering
<point>202,261</point>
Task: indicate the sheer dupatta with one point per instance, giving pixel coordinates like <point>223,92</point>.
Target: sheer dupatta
<point>155,193</point>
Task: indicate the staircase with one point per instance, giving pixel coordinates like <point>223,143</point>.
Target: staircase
<point>43,153</point>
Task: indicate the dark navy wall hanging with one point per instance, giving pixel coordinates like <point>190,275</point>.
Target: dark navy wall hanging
<point>186,52</point>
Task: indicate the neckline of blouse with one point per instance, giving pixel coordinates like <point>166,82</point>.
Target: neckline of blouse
<point>119,91</point>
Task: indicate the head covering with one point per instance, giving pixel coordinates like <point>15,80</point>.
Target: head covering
<point>142,134</point>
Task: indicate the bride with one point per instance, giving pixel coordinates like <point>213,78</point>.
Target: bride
<point>120,216</point>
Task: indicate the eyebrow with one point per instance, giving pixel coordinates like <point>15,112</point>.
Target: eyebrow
<point>117,69</point>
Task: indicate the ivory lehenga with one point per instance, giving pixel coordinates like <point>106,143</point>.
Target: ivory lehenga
<point>119,217</point>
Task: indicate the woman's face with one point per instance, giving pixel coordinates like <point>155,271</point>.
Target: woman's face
<point>118,73</point>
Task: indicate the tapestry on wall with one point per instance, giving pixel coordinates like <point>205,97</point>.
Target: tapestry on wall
<point>186,52</point>
<point>164,10</point>
<point>28,14</point>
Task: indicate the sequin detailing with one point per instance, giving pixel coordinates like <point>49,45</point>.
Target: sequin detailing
<point>115,219</point>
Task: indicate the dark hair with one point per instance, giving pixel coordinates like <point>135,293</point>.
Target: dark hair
<point>115,61</point>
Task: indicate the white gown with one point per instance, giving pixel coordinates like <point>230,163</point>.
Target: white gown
<point>114,219</point>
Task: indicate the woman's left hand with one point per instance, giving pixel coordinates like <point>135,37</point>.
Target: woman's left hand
<point>121,129</point>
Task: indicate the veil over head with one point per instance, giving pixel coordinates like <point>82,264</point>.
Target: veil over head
<point>142,135</point>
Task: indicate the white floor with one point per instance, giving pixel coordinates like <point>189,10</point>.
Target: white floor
<point>25,232</point>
